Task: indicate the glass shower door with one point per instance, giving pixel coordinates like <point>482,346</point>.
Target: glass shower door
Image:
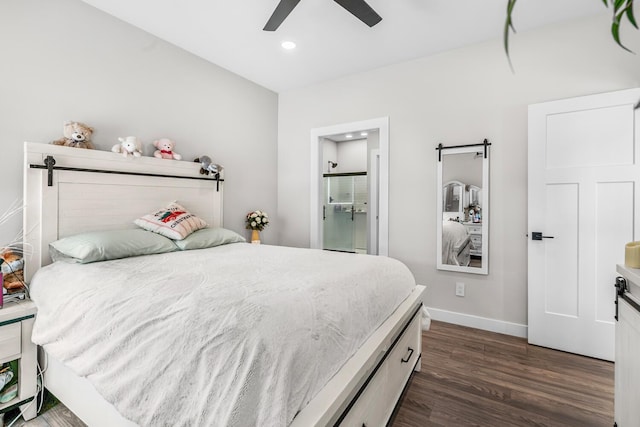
<point>344,225</point>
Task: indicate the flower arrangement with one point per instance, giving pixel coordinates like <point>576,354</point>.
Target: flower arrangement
<point>256,220</point>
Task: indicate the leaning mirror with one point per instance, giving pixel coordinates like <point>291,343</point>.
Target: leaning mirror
<point>463,209</point>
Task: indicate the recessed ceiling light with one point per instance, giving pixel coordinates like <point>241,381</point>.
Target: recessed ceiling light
<point>288,45</point>
<point>363,134</point>
<point>348,135</point>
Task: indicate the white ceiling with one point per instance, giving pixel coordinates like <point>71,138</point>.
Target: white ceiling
<point>331,42</point>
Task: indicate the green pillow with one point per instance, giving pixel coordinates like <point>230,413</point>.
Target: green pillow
<point>105,245</point>
<point>208,238</point>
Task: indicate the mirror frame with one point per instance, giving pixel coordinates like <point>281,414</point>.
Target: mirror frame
<point>484,269</point>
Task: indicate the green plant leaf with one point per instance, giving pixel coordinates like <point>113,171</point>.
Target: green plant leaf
<point>629,12</point>
<point>615,32</point>
<point>508,26</point>
<point>621,9</point>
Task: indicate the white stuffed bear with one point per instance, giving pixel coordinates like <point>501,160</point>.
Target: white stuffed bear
<point>128,146</point>
<point>165,149</point>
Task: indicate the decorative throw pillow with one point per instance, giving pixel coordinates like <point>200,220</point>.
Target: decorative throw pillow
<point>174,222</point>
<point>208,238</point>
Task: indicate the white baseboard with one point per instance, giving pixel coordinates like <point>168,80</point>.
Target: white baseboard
<point>486,324</point>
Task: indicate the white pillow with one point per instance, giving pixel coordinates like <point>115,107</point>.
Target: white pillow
<point>174,222</point>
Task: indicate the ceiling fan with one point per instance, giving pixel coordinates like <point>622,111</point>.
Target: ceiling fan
<point>358,8</point>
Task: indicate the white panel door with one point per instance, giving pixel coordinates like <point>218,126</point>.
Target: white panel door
<point>584,197</point>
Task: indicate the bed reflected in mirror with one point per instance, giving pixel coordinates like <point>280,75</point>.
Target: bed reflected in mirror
<point>463,194</point>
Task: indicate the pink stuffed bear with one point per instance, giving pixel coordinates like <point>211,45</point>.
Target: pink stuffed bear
<point>165,148</point>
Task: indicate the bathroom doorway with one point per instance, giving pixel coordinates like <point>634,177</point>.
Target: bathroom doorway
<point>349,187</point>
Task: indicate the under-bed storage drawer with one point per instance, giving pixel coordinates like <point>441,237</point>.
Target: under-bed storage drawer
<point>10,339</point>
<point>403,358</point>
<point>376,403</point>
<point>371,407</point>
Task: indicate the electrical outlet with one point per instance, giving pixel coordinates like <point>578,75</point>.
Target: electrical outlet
<point>459,289</point>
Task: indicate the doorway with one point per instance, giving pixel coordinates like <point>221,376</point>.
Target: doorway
<point>349,187</point>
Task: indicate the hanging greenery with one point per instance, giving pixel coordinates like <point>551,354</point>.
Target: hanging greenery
<point>621,9</point>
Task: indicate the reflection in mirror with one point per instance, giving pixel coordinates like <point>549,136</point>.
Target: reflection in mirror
<point>452,199</point>
<point>340,190</point>
<point>463,210</point>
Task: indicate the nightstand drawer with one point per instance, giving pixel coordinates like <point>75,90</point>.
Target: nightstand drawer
<point>474,229</point>
<point>10,339</point>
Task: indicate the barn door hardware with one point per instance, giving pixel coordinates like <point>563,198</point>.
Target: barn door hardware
<point>622,291</point>
<point>484,144</point>
<point>50,161</point>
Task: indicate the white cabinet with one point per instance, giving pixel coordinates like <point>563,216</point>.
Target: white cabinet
<point>627,359</point>
<point>475,230</point>
<point>16,324</point>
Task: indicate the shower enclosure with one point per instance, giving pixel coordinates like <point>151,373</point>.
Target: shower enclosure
<point>345,212</point>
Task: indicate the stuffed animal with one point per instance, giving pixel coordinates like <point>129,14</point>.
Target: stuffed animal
<point>207,166</point>
<point>128,146</point>
<point>76,135</point>
<point>13,273</point>
<point>165,148</point>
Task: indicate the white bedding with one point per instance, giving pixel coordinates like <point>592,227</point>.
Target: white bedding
<point>454,238</point>
<point>239,335</point>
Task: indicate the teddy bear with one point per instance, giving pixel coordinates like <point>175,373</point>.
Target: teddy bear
<point>128,146</point>
<point>165,148</point>
<point>76,135</point>
<point>207,166</point>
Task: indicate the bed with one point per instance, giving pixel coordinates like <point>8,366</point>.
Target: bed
<point>456,244</point>
<point>91,190</point>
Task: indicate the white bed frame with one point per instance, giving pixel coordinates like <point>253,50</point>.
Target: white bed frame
<point>366,388</point>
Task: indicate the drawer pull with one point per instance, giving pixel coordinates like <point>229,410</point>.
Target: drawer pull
<point>408,357</point>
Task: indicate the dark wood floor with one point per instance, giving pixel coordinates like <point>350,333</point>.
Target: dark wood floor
<point>477,378</point>
<point>58,416</point>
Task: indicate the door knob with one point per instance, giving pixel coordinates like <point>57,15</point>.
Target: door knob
<point>536,235</point>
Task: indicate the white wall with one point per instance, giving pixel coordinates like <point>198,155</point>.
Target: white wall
<point>329,153</point>
<point>65,60</point>
<point>352,156</point>
<point>456,97</point>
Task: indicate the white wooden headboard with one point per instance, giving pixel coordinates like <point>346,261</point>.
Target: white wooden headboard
<point>78,201</point>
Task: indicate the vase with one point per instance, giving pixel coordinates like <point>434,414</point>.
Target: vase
<point>255,237</point>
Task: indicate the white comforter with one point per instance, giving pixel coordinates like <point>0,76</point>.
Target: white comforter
<point>454,235</point>
<point>238,335</point>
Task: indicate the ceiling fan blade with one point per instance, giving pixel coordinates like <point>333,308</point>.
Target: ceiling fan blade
<point>361,10</point>
<point>283,10</point>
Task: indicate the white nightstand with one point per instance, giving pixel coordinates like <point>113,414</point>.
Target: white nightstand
<point>16,324</point>
<point>475,230</point>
